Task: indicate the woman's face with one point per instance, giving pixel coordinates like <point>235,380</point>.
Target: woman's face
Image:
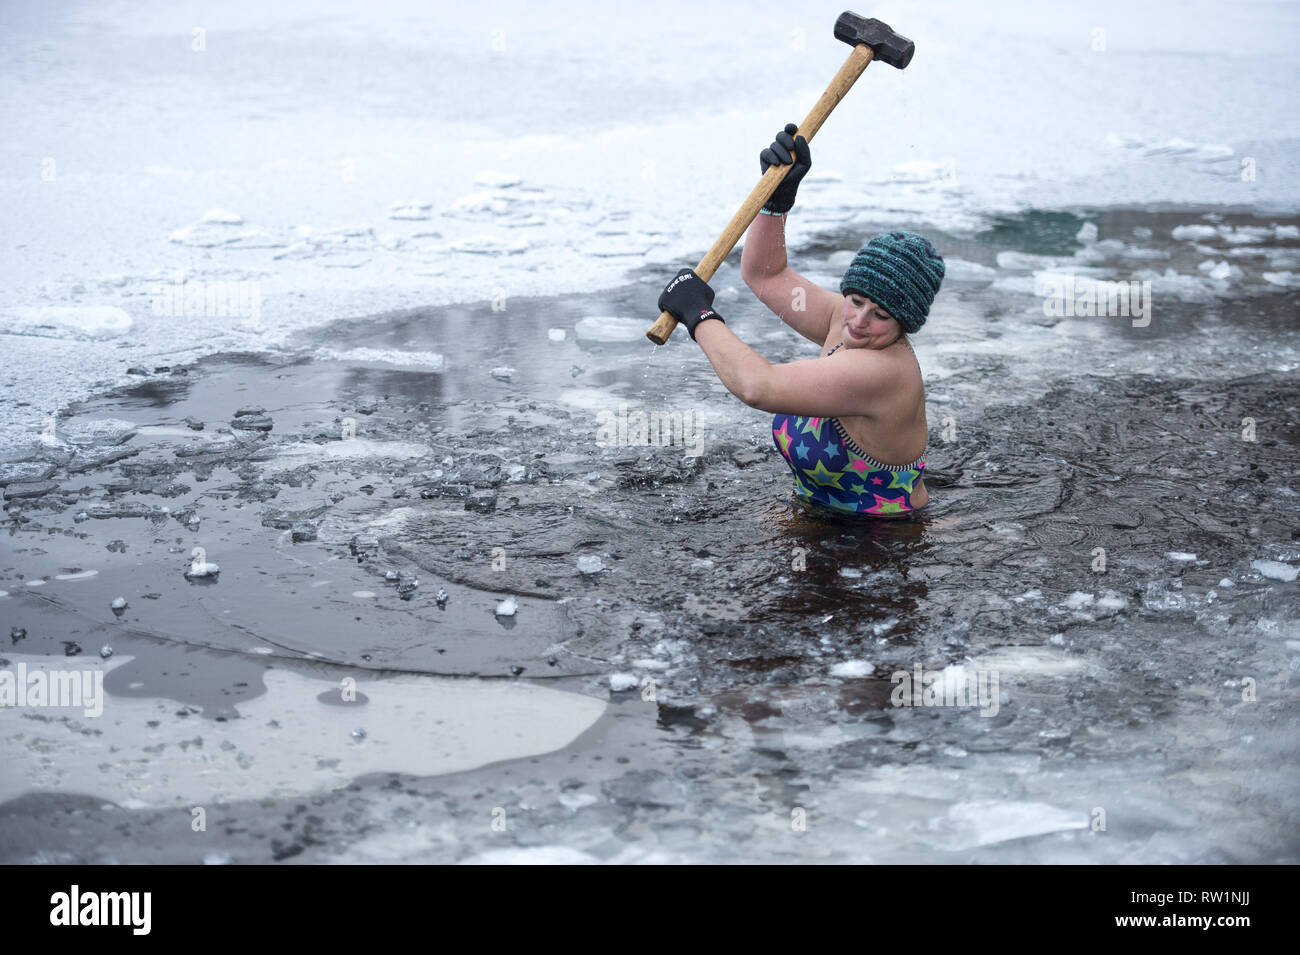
<point>866,324</point>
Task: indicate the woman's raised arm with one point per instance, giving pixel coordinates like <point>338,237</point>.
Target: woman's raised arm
<point>804,306</point>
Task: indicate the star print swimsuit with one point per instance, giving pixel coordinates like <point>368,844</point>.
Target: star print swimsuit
<point>831,471</point>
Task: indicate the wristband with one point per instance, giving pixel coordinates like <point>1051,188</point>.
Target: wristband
<point>769,212</point>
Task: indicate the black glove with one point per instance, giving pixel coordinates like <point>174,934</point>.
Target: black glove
<point>688,299</point>
<point>786,148</point>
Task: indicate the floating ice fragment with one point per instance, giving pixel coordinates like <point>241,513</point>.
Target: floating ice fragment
<point>1243,235</point>
<point>410,210</point>
<point>1078,600</point>
<point>575,801</point>
<point>1282,279</point>
<point>882,627</point>
<point>590,564</point>
<point>1024,260</point>
<point>619,682</point>
<point>636,244</point>
<point>1087,233</point>
<point>852,668</point>
<point>481,201</point>
<point>350,230</point>
<point>959,270</point>
<point>1111,601</point>
<point>202,568</point>
<point>485,245</point>
<point>1158,597</point>
<point>209,235</point>
<point>497,180</point>
<point>969,825</point>
<point>1179,555</point>
<point>90,321</point>
<point>507,607</point>
<point>99,431</point>
<point>223,217</point>
<point>1227,582</point>
<point>105,651</point>
<point>555,334</point>
<point>390,356</point>
<point>502,372</point>
<point>1178,150</point>
<point>79,575</point>
<point>601,328</point>
<point>1275,569</point>
<point>1195,232</point>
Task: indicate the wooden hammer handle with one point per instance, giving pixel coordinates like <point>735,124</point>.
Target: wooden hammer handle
<point>839,86</point>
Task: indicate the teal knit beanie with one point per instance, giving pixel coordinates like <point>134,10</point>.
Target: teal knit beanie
<point>900,272</point>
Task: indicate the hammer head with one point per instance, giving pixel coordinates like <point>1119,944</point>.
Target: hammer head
<point>886,45</point>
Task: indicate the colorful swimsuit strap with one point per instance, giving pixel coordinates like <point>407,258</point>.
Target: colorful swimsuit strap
<point>853,445</point>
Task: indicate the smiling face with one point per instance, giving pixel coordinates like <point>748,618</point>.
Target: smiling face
<point>866,324</point>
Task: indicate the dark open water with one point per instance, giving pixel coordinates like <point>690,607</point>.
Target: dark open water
<point>1100,513</point>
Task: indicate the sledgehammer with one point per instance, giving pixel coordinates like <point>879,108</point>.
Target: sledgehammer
<point>871,40</point>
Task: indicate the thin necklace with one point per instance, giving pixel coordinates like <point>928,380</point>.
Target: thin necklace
<point>890,345</point>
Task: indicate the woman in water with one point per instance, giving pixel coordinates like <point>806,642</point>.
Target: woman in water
<point>850,424</point>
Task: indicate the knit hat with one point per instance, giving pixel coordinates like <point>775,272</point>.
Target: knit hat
<point>900,272</point>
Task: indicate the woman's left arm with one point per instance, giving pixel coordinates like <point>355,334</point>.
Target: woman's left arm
<point>846,383</point>
<point>842,384</point>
